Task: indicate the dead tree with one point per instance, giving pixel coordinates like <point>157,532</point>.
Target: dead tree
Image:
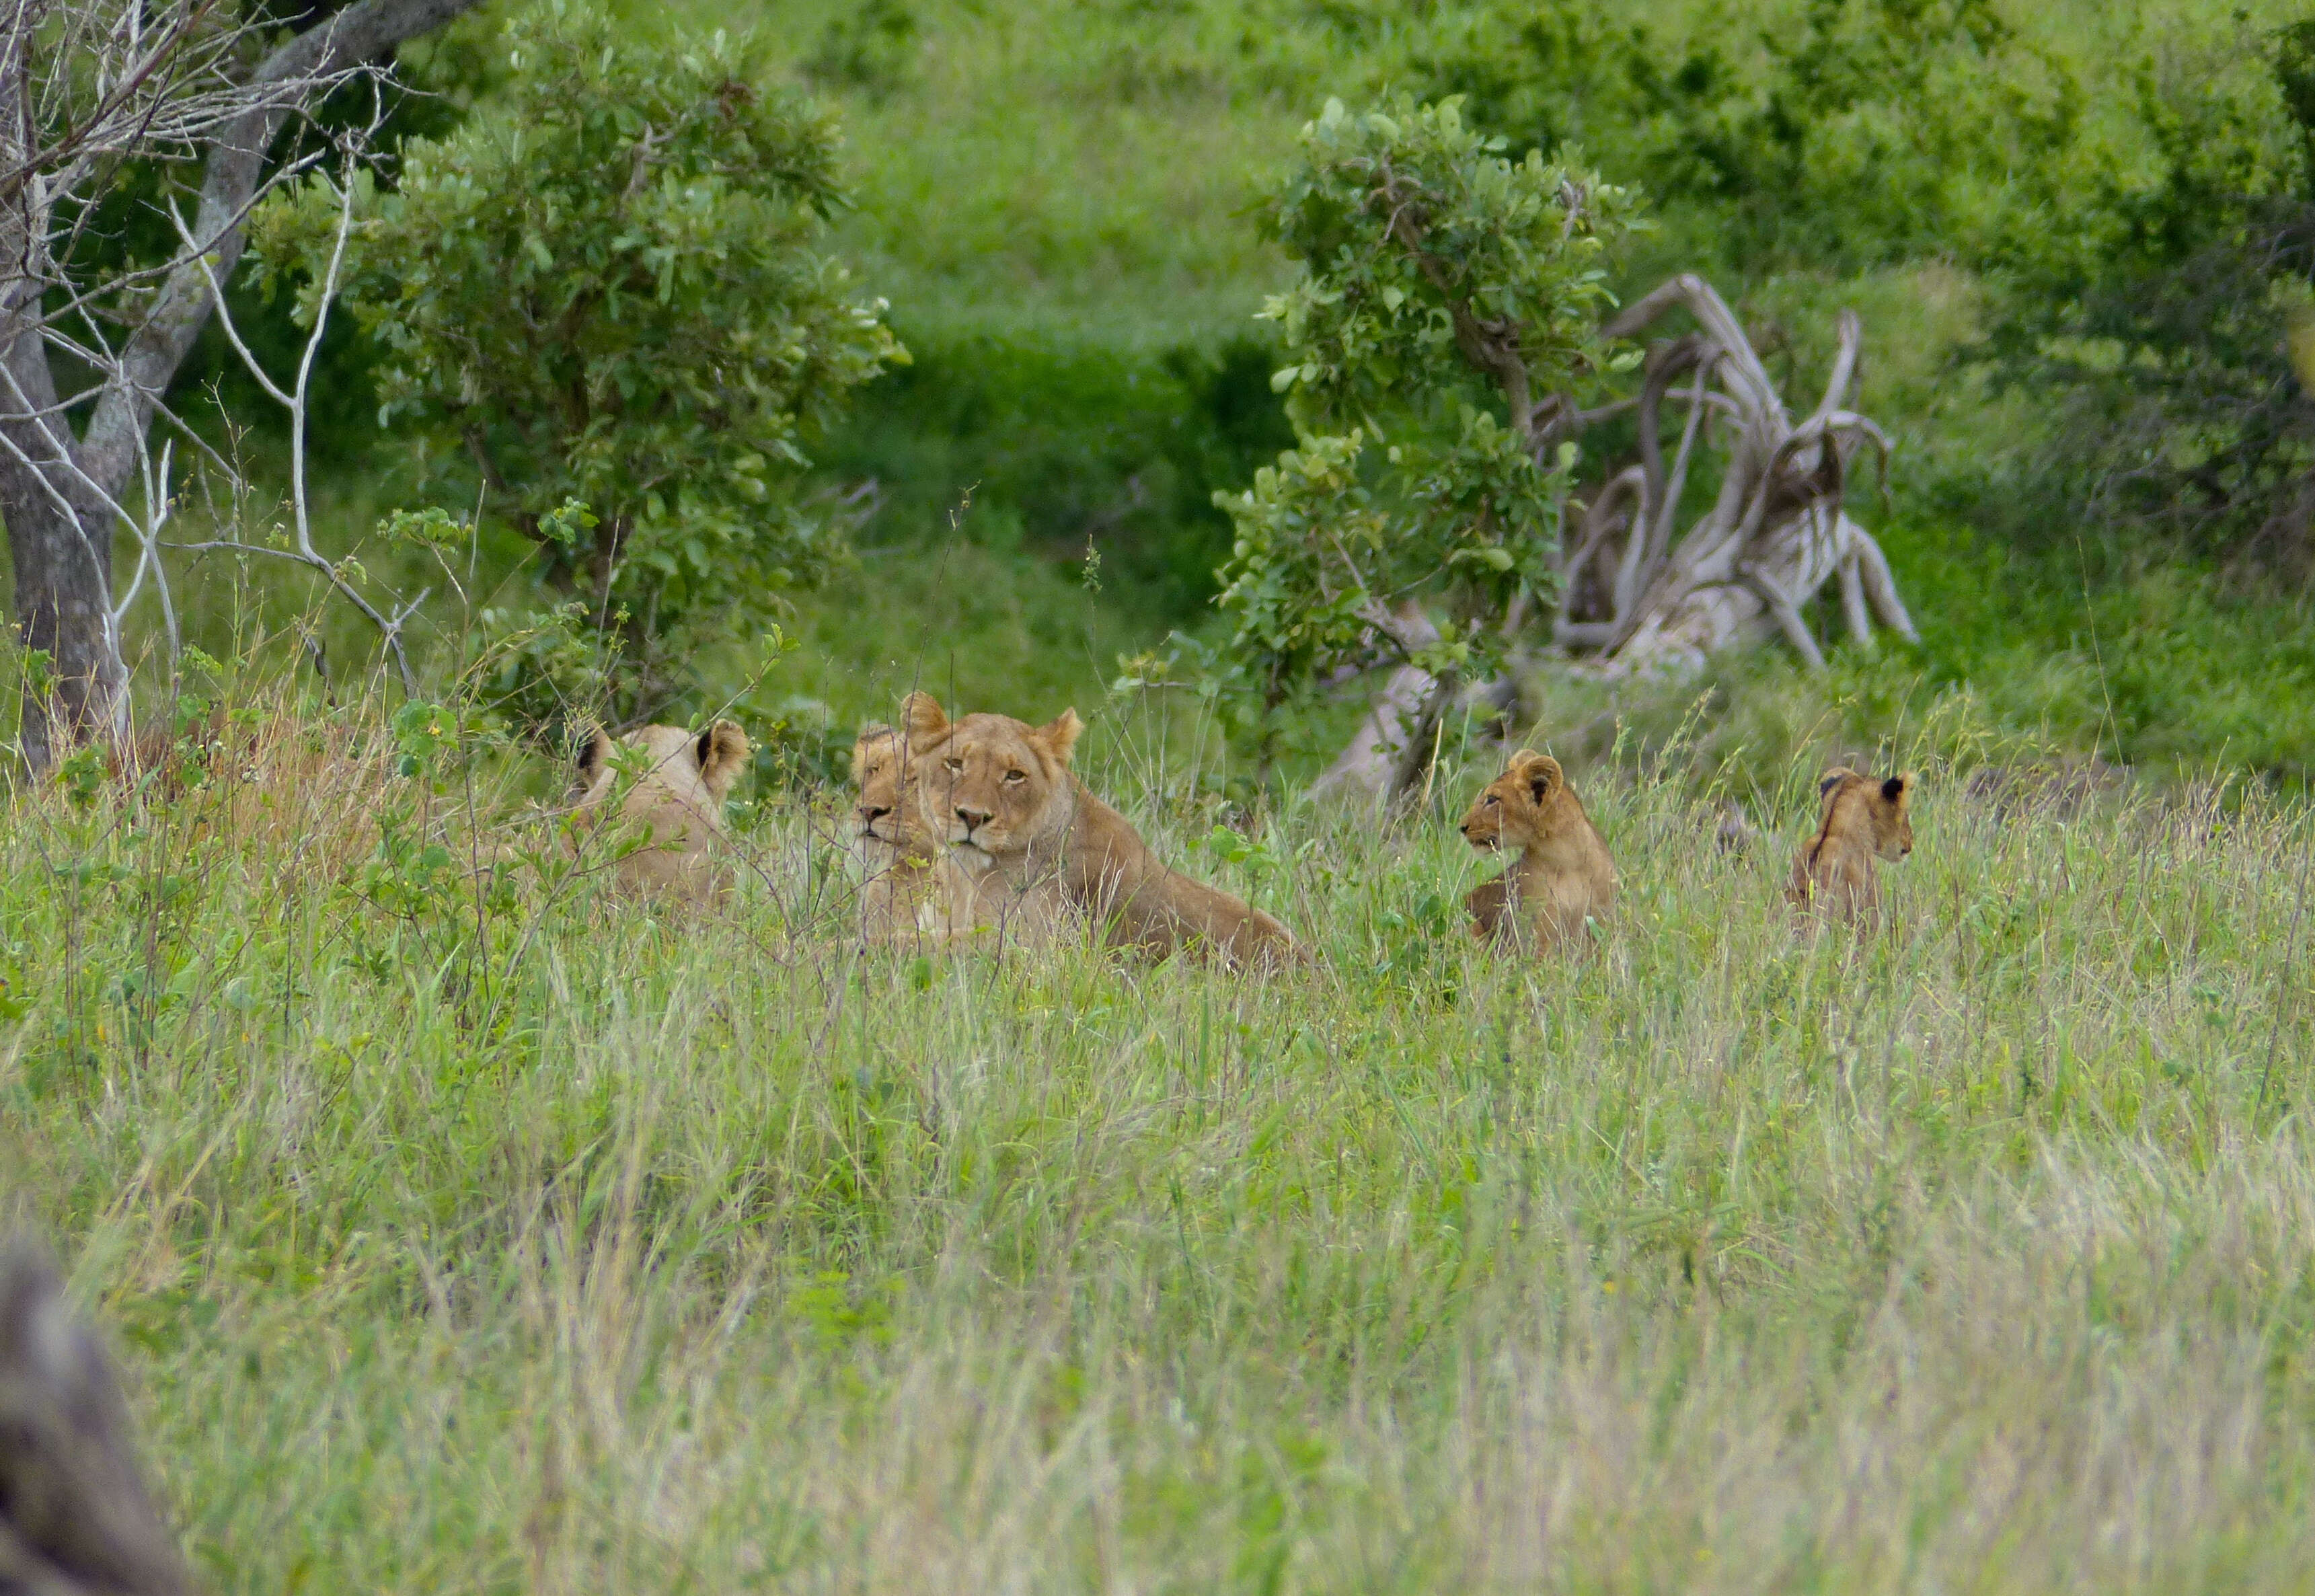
<point>1640,594</point>
<point>76,1519</point>
<point>88,87</point>
<point>1646,598</point>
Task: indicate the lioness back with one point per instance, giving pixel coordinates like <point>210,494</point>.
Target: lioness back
<point>1564,876</point>
<point>1040,850</point>
<point>1860,821</point>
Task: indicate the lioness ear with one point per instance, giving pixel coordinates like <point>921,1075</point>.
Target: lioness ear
<point>723,750</point>
<point>926,721</point>
<point>870,732</point>
<point>1895,788</point>
<point>1060,737</point>
<point>593,753</point>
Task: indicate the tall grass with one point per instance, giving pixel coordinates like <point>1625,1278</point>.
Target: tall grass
<point>515,1238</point>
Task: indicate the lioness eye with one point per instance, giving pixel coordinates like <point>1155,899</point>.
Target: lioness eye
<point>1013,775</point>
<point>953,764</point>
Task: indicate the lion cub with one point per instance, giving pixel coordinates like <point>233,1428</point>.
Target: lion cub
<point>910,881</point>
<point>1035,850</point>
<point>1564,874</point>
<point>1862,820</point>
<point>678,799</point>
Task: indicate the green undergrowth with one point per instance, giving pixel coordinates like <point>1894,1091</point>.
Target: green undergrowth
<point>517,1239</point>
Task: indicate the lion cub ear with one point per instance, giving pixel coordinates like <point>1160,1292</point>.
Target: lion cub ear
<point>1898,788</point>
<point>1537,771</point>
<point>594,754</point>
<point>926,720</point>
<point>1833,779</point>
<point>1060,737</point>
<point>722,751</point>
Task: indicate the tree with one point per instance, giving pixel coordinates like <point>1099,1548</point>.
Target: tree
<point>608,290</point>
<point>1432,263</point>
<point>87,91</point>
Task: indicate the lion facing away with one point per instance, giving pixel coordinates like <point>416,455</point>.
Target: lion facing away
<point>1564,874</point>
<point>678,799</point>
<point>911,884</point>
<point>1034,850</point>
<point>1861,821</point>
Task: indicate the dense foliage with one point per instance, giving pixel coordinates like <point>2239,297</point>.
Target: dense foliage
<point>612,289</point>
<point>1431,264</point>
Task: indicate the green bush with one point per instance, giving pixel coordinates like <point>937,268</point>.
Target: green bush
<point>611,286</point>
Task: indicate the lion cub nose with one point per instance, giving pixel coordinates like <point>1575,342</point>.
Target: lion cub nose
<point>973,820</point>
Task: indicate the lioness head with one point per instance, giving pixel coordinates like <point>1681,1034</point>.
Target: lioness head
<point>988,782</point>
<point>1527,804</point>
<point>679,797</point>
<point>886,809</point>
<point>1878,813</point>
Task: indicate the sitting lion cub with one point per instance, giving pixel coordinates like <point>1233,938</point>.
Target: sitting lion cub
<point>679,798</point>
<point>1034,850</point>
<point>1564,874</point>
<point>1862,819</point>
<point>911,881</point>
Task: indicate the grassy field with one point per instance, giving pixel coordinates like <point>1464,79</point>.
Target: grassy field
<point>522,1241</point>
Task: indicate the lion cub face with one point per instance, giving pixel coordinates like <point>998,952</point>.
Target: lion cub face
<point>886,809</point>
<point>987,782</point>
<point>678,799</point>
<point>1527,805</point>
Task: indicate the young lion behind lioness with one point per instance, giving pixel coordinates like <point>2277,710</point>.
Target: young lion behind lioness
<point>1564,875</point>
<point>911,887</point>
<point>1035,850</point>
<point>1861,821</point>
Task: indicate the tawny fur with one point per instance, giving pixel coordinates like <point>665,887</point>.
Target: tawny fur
<point>909,885</point>
<point>1861,821</point>
<point>1036,851</point>
<point>677,799</point>
<point>1564,874</point>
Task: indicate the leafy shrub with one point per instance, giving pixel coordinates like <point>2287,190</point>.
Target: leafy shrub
<point>610,288</point>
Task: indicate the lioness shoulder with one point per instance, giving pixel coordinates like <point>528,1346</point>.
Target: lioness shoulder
<point>1860,820</point>
<point>1564,874</point>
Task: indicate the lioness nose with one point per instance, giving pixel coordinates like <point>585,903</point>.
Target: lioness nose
<point>973,818</point>
<point>872,814</point>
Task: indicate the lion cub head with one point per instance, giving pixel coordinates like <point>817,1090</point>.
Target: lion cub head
<point>1860,819</point>
<point>1868,813</point>
<point>991,787</point>
<point>888,815</point>
<point>1527,805</point>
<point>678,799</point>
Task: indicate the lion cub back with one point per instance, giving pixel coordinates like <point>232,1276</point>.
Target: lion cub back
<point>1861,821</point>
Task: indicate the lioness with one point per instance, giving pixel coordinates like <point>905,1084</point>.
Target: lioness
<point>910,885</point>
<point>1861,820</point>
<point>1564,873</point>
<point>679,798</point>
<point>1034,848</point>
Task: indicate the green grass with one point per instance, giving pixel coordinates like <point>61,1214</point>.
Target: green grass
<point>541,1243</point>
